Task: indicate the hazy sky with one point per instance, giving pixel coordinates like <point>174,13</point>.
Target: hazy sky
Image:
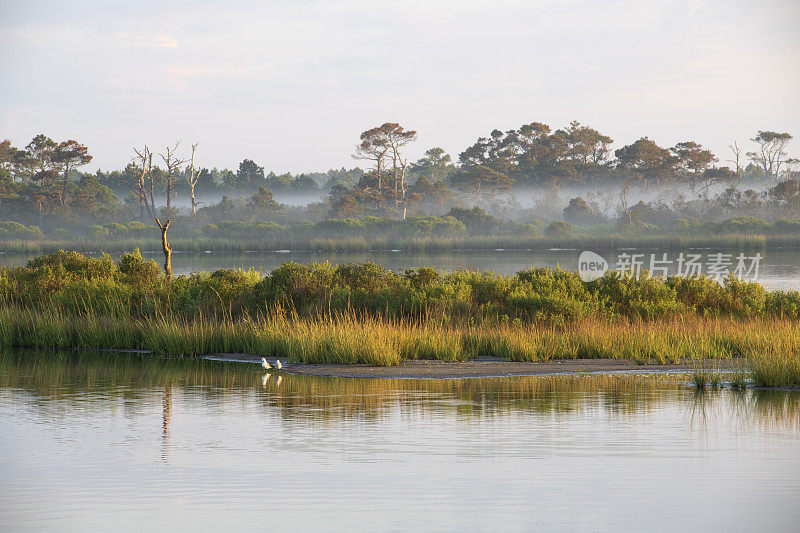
<point>291,84</point>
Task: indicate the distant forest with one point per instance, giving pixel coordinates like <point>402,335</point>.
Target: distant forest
<point>525,181</point>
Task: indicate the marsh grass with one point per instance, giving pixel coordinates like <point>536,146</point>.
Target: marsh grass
<point>770,347</point>
<point>740,377</point>
<point>364,314</point>
<point>345,340</point>
<point>703,376</point>
<point>735,241</point>
<point>777,365</point>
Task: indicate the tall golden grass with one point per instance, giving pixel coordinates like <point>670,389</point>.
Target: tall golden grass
<point>771,347</point>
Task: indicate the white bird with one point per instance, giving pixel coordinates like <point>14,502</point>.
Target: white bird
<point>265,365</point>
<point>278,364</point>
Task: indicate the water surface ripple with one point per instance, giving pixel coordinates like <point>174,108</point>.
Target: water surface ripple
<point>126,442</point>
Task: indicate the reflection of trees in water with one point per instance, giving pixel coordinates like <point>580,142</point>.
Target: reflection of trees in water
<point>88,380</point>
<point>166,418</point>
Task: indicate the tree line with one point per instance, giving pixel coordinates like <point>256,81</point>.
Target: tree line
<point>536,155</point>
<point>44,177</point>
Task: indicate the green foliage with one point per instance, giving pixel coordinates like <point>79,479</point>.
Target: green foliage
<point>422,277</point>
<point>531,229</point>
<point>69,266</point>
<point>98,232</point>
<point>365,314</point>
<point>582,212</point>
<point>640,297</point>
<point>558,228</point>
<point>556,297</point>
<point>746,224</point>
<point>734,297</point>
<point>15,230</point>
<point>476,220</point>
<point>138,272</point>
<point>783,304</point>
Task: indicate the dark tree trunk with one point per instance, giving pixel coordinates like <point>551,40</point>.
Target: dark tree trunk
<point>63,198</point>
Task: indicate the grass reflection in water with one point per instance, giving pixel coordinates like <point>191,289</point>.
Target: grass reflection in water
<point>89,380</point>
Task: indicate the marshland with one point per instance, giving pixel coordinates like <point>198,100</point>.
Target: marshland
<point>133,323</point>
<point>365,314</point>
<point>399,266</point>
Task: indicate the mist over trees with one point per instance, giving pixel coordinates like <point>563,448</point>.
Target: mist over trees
<point>520,180</point>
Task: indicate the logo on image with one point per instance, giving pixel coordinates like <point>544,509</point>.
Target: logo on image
<point>591,266</point>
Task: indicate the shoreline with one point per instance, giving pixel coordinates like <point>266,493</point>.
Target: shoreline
<point>416,324</point>
<point>355,243</point>
<point>483,367</point>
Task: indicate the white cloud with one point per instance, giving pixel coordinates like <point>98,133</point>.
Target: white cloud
<point>49,35</point>
<point>713,70</point>
<point>158,41</point>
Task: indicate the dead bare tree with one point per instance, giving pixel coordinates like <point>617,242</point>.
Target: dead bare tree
<point>403,166</point>
<point>191,179</point>
<point>173,164</point>
<point>165,247</point>
<point>143,186</point>
<point>624,201</point>
<point>736,157</point>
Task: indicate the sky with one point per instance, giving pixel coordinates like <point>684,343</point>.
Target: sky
<point>292,84</point>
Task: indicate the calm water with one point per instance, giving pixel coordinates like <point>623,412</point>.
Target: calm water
<point>121,442</point>
<point>778,269</point>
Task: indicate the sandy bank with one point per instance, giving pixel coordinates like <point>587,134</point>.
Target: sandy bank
<point>484,367</point>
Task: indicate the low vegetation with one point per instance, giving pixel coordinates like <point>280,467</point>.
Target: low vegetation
<point>365,314</point>
<point>423,233</point>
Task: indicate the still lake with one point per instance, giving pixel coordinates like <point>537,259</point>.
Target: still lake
<point>777,269</point>
<point>123,442</point>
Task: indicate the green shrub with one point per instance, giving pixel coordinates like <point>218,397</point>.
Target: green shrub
<point>556,297</point>
<point>366,276</point>
<point>422,277</point>
<point>558,228</point>
<point>98,232</point>
<point>15,230</point>
<point>744,225</point>
<point>783,304</point>
<point>72,265</point>
<point>137,271</point>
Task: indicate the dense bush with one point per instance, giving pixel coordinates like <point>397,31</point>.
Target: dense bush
<point>138,272</point>
<point>135,286</point>
<point>744,225</point>
<point>476,220</point>
<point>558,228</point>
<point>455,230</point>
<point>580,211</point>
<point>15,230</point>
